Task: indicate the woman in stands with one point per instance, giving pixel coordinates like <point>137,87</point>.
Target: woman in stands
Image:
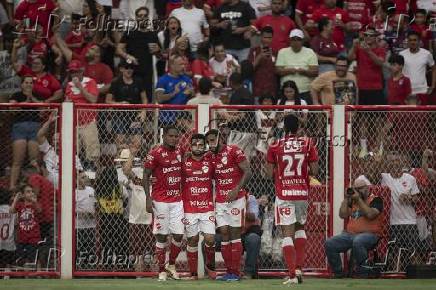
<point>45,85</point>
<point>25,126</point>
<point>167,40</point>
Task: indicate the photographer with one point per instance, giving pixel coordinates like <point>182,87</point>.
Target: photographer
<point>363,228</point>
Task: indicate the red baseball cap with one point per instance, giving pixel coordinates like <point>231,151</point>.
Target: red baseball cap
<point>75,65</point>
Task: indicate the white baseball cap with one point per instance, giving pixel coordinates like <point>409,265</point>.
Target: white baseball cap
<point>296,33</point>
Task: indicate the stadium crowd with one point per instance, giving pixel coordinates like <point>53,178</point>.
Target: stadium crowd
<point>231,52</point>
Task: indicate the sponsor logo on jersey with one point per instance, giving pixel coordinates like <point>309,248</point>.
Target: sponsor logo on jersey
<point>205,169</point>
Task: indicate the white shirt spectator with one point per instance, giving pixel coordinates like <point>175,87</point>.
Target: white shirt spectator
<point>7,229</point>
<point>223,68</point>
<point>415,67</point>
<point>204,99</point>
<point>401,214</point>
<point>51,160</point>
<point>85,204</point>
<point>192,20</point>
<point>135,194</point>
<point>256,4</point>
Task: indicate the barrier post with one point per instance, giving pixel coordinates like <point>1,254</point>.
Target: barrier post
<point>67,191</point>
<point>339,165</point>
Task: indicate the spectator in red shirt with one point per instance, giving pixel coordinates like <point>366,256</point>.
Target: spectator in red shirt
<point>420,25</point>
<point>359,12</point>
<point>76,37</point>
<point>340,20</point>
<point>37,11</point>
<point>84,90</point>
<point>201,68</point>
<point>304,16</point>
<point>45,84</point>
<point>323,45</point>
<point>370,58</point>
<point>28,210</point>
<point>399,86</point>
<point>263,59</point>
<point>281,25</point>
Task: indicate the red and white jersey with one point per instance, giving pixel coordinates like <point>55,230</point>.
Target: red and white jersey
<point>7,224</point>
<point>197,186</point>
<point>292,155</point>
<point>166,167</point>
<point>227,171</point>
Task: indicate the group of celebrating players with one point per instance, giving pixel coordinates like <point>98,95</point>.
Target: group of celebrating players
<point>182,198</point>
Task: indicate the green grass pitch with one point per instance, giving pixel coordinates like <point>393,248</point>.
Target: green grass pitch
<point>152,284</point>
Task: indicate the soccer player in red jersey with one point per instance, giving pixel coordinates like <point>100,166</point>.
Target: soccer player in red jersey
<point>232,171</point>
<point>164,163</point>
<point>289,160</point>
<point>197,176</point>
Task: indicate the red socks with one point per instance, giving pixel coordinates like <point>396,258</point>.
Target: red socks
<point>300,247</point>
<point>209,252</point>
<point>236,256</point>
<point>289,255</point>
<point>174,251</point>
<point>160,253</point>
<point>226,252</point>
<point>192,253</point>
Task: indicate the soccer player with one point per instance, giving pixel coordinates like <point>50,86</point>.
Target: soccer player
<point>232,171</point>
<point>289,160</point>
<point>164,163</point>
<point>197,176</point>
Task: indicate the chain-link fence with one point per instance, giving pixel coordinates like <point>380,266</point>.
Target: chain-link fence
<point>394,147</point>
<point>253,128</point>
<point>113,232</point>
<point>30,192</point>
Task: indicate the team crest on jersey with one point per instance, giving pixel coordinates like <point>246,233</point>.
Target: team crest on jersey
<point>185,221</point>
<point>179,157</point>
<point>212,218</point>
<point>235,211</point>
<point>150,157</point>
<point>224,160</point>
<point>45,83</point>
<point>205,169</point>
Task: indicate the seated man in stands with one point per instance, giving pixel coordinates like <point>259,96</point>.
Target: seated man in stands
<point>363,228</point>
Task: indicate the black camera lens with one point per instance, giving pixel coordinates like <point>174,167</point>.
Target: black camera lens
<point>350,191</point>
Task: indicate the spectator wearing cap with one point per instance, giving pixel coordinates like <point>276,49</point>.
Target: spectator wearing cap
<point>83,90</point>
<point>234,19</point>
<point>297,63</point>
<point>324,46</point>
<point>139,46</point>
<point>194,23</point>
<point>399,86</point>
<point>126,89</point>
<point>416,62</point>
<point>93,66</point>
<point>45,85</point>
<point>140,231</point>
<point>336,87</point>
<point>280,24</point>
<point>262,58</point>
<point>370,58</point>
<point>338,16</point>
<point>363,229</point>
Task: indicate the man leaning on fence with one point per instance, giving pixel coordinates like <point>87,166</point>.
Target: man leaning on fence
<point>362,231</point>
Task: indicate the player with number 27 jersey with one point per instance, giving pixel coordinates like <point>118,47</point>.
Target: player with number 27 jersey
<point>292,156</point>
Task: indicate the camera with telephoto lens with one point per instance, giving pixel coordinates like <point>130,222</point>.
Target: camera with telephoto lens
<point>350,191</point>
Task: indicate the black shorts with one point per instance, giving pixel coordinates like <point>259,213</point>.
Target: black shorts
<point>372,97</point>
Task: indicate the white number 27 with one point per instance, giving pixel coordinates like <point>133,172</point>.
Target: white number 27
<point>290,162</point>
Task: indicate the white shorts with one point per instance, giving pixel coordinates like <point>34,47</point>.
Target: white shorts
<point>231,213</point>
<point>199,222</point>
<point>168,218</point>
<point>289,212</point>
